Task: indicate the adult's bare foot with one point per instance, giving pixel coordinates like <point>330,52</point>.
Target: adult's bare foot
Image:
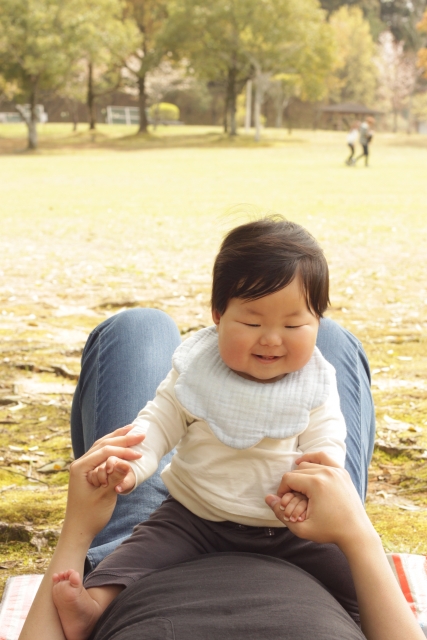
<point>77,611</point>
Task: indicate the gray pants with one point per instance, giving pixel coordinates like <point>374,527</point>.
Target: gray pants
<point>173,534</point>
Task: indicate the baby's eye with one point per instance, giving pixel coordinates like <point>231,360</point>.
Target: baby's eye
<point>251,325</point>
<point>297,326</point>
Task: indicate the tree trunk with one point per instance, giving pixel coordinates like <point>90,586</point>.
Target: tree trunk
<point>91,99</point>
<point>248,111</point>
<point>32,120</point>
<point>225,116</point>
<point>409,121</point>
<point>231,95</point>
<point>258,98</point>
<point>395,120</point>
<point>143,122</point>
<point>279,109</point>
<point>74,115</point>
<point>261,85</point>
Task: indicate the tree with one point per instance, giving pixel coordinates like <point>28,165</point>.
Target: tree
<point>106,38</point>
<point>7,89</point>
<point>398,74</point>
<point>36,49</point>
<point>401,18</point>
<point>299,48</point>
<point>354,77</point>
<point>229,42</point>
<point>42,42</point>
<point>419,107</point>
<point>371,11</point>
<point>150,18</point>
<point>74,90</point>
<point>284,87</point>
<point>209,35</point>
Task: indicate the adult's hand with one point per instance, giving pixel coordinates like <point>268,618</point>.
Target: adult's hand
<point>335,512</point>
<point>89,508</point>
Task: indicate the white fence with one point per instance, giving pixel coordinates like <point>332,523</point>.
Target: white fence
<point>122,115</point>
<point>15,116</point>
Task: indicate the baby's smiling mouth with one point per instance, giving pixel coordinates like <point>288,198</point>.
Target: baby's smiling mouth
<point>266,358</point>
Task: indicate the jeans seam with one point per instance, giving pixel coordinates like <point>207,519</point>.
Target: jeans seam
<point>359,418</point>
<point>95,417</point>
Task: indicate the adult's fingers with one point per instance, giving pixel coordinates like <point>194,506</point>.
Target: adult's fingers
<point>124,439</point>
<point>306,467</point>
<point>334,510</point>
<point>94,457</point>
<point>117,432</point>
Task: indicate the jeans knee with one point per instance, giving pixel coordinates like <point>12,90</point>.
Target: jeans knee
<point>147,322</point>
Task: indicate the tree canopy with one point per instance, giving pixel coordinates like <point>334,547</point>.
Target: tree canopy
<point>37,46</point>
<point>230,42</point>
<point>354,77</point>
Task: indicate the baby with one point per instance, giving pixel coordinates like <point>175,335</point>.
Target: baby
<point>245,400</point>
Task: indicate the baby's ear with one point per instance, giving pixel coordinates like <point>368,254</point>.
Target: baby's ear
<point>216,316</point>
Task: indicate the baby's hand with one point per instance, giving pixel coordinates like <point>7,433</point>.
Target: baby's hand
<point>113,472</point>
<point>294,506</point>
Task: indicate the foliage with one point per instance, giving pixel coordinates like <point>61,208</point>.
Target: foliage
<point>37,46</point>
<point>371,11</point>
<point>354,77</point>
<point>105,38</point>
<point>230,42</point>
<point>402,17</point>
<point>283,87</point>
<point>150,18</point>
<point>8,88</point>
<point>419,106</point>
<point>399,16</point>
<point>166,78</point>
<point>49,44</point>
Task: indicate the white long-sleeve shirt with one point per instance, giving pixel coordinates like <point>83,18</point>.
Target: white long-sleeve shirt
<point>213,473</point>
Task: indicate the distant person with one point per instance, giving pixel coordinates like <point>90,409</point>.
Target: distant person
<point>366,134</point>
<point>352,137</point>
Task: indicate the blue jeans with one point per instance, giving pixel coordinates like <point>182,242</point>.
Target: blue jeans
<point>125,359</point>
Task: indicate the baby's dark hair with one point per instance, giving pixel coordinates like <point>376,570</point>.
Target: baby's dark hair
<point>262,257</point>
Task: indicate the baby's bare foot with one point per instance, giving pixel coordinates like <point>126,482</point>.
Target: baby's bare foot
<point>77,611</point>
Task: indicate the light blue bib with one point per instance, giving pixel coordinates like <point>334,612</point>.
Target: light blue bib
<point>242,412</point>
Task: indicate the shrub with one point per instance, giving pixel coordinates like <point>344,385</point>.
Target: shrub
<point>164,111</point>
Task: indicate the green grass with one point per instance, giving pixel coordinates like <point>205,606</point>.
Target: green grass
<point>94,224</point>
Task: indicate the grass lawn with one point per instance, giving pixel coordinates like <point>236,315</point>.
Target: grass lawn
<point>95,223</point>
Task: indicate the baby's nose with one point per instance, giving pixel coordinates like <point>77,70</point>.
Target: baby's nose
<point>271,338</point>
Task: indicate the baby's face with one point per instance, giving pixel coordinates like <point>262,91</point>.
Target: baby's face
<point>265,339</point>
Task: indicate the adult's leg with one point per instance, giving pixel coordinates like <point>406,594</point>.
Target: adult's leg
<point>346,354</point>
<point>325,562</point>
<point>124,360</point>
